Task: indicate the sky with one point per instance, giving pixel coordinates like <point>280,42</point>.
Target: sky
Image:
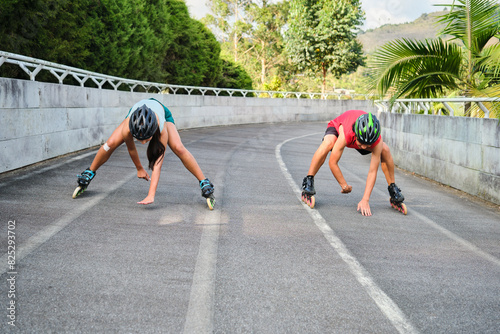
<point>378,12</point>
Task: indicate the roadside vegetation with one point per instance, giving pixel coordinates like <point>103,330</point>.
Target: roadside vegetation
<point>287,45</point>
<point>148,40</point>
<point>466,63</point>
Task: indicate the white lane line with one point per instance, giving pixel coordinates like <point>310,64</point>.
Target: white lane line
<point>200,313</point>
<point>45,169</point>
<point>49,231</point>
<point>471,247</point>
<point>384,302</point>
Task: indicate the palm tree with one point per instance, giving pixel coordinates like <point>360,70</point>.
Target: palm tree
<point>468,64</point>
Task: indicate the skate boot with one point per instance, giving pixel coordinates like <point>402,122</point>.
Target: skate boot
<point>308,191</point>
<point>397,198</point>
<point>83,182</point>
<point>207,191</point>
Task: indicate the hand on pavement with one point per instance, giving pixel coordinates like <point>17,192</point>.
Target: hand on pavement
<point>147,200</point>
<point>364,207</point>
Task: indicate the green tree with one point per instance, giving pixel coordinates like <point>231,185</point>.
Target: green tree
<point>321,36</point>
<point>266,45</point>
<point>468,65</point>
<point>116,37</point>
<point>229,22</point>
<point>53,30</point>
<point>149,40</point>
<point>233,76</point>
<point>250,34</point>
<point>109,41</point>
<point>193,56</point>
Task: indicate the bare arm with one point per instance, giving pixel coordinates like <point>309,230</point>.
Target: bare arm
<point>337,151</point>
<point>132,151</point>
<point>364,205</point>
<point>155,176</point>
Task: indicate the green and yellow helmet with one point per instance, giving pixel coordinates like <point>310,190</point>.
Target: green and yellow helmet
<point>367,129</point>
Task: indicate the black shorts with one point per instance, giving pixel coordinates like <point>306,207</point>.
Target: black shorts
<point>332,131</point>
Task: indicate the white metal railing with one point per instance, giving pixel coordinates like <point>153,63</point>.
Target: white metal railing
<point>32,67</point>
<point>433,105</point>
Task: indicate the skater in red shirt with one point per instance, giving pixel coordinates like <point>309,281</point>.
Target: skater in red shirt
<point>361,131</point>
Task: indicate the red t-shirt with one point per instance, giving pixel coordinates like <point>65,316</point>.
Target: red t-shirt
<point>347,120</point>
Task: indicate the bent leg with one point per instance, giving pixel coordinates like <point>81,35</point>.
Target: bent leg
<point>175,144</point>
<point>115,140</point>
<point>387,164</point>
<point>321,153</point>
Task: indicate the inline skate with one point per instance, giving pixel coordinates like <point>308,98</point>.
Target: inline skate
<point>397,198</point>
<point>308,191</point>
<point>83,182</point>
<point>207,191</point>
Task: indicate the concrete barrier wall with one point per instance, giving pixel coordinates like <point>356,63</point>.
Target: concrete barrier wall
<point>463,153</point>
<point>39,121</point>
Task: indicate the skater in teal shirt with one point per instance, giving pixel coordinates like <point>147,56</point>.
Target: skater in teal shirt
<point>148,121</point>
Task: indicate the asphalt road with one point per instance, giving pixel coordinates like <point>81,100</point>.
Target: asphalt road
<point>261,262</point>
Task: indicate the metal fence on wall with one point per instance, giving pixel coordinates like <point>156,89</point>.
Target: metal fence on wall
<point>457,106</point>
<point>32,67</point>
<point>440,106</point>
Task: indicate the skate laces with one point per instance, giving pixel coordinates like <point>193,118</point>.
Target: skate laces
<point>88,174</point>
<point>395,192</point>
<point>308,181</point>
<point>205,183</point>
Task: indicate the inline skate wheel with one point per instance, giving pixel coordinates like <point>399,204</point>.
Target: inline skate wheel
<point>309,200</point>
<point>211,202</point>
<point>401,207</point>
<point>78,191</point>
<point>404,210</point>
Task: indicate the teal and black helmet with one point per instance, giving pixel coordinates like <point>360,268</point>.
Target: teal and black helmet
<point>367,129</point>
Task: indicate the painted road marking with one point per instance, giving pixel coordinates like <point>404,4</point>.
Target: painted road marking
<point>384,302</point>
<point>471,247</point>
<point>45,169</point>
<point>49,231</point>
<point>200,313</point>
